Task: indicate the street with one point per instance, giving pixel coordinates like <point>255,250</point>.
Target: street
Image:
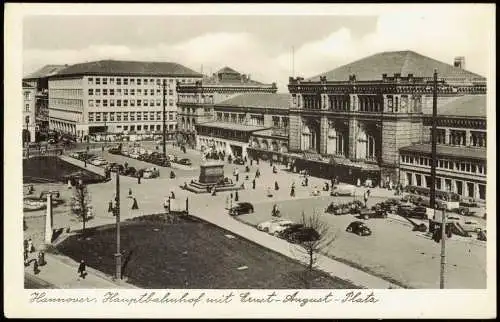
<point>393,251</point>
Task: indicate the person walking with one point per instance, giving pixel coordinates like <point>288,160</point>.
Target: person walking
<point>253,184</point>
<point>236,196</point>
<point>365,197</point>
<point>139,174</point>
<point>26,256</point>
<point>276,186</point>
<point>41,258</point>
<point>135,206</point>
<point>130,192</point>
<point>35,267</point>
<point>292,191</point>
<point>110,206</point>
<point>82,269</point>
<point>31,248</point>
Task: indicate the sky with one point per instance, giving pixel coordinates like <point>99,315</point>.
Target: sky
<point>260,45</point>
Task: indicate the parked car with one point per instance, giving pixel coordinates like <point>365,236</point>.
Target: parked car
<point>418,212</point>
<point>75,155</point>
<point>359,228</point>
<point>342,191</point>
<point>471,226</point>
<point>185,161</point>
<point>134,155</point>
<point>464,211</point>
<point>99,162</point>
<point>241,208</point>
<point>150,173</point>
<point>277,227</point>
<point>303,234</point>
<point>374,212</point>
<point>264,226</point>
<point>285,233</point>
<point>114,150</point>
<point>468,202</point>
<point>130,171</point>
<point>239,160</point>
<point>337,209</point>
<point>117,168</point>
<point>390,205</point>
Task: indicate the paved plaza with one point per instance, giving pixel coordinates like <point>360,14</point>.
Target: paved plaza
<point>394,256</point>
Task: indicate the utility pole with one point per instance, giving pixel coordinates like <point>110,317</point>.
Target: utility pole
<point>164,116</point>
<point>443,250</point>
<point>118,255</point>
<point>433,145</point>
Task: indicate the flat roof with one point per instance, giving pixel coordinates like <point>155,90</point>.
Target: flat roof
<point>446,150</point>
<point>259,100</point>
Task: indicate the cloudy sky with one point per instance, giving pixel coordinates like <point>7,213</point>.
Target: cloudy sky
<point>260,45</point>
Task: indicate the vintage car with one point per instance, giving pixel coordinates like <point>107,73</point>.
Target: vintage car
<point>359,228</point>
<point>241,208</point>
<point>342,191</point>
<point>374,212</point>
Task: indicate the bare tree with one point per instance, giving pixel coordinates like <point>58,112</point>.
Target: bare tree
<point>80,203</point>
<point>310,248</point>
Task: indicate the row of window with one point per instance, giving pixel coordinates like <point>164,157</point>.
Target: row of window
<point>65,93</point>
<point>128,116</point>
<point>126,103</point>
<point>463,188</point>
<point>145,127</point>
<point>134,81</point>
<point>204,99</point>
<point>469,167</point>
<point>459,137</point>
<point>126,91</point>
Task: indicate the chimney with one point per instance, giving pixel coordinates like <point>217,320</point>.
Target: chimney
<point>459,62</point>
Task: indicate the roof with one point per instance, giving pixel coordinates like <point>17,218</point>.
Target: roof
<point>46,71</point>
<point>262,100</point>
<point>227,70</point>
<point>232,126</point>
<point>136,68</point>
<point>446,150</point>
<point>464,106</point>
<point>393,62</point>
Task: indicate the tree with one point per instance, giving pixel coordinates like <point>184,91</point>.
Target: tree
<point>80,203</point>
<point>310,249</point>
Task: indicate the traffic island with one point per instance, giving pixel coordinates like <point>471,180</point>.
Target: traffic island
<point>211,176</point>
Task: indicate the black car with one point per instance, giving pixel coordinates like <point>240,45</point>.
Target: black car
<point>286,233</point>
<point>303,234</point>
<point>374,212</point>
<point>185,161</point>
<point>114,150</point>
<point>418,212</point>
<point>359,228</point>
<point>241,208</point>
<point>239,160</point>
<point>130,171</point>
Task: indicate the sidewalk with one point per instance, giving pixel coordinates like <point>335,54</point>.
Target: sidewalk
<point>61,272</point>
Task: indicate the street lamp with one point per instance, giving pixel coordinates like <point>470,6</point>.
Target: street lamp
<point>116,212</point>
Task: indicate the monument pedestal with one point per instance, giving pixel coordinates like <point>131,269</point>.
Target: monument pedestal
<point>211,174</point>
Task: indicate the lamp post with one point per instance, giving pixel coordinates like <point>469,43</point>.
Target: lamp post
<point>116,211</point>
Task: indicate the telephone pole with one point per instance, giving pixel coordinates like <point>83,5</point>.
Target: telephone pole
<point>118,255</point>
<point>443,250</point>
<point>164,116</point>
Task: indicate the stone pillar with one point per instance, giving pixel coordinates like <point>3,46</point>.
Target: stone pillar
<point>354,102</point>
<point>454,186</point>
<point>323,136</point>
<point>476,191</point>
<point>467,138</point>
<point>353,133</point>
<point>446,136</point>
<point>48,221</point>
<point>413,179</point>
<point>465,189</point>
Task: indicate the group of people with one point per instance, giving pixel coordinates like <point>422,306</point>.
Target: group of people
<point>29,248</point>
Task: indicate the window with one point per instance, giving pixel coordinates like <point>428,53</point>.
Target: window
<point>139,116</point>
<point>152,81</point>
<point>158,127</point>
<point>145,82</point>
<point>467,167</point>
<point>132,102</point>
<point>105,81</point>
<point>158,116</point>
<point>152,92</point>
<point>125,116</point>
<point>151,102</point>
<point>91,117</point>
<point>139,91</point>
<point>158,91</point>
<point>462,166</point>
<point>125,103</point>
<point>171,116</point>
<point>233,118</point>
<point>111,102</point>
<point>219,116</point>
<point>138,127</point>
<point>125,127</point>
<point>125,81</point>
<point>118,116</point>
<point>119,91</point>
<point>138,81</point>
<point>98,81</point>
<point>132,81</point>
<point>111,81</point>
<point>139,103</point>
<point>98,92</point>
<point>91,91</point>
<point>118,102</point>
<point>158,102</point>
<point>146,127</point>
<point>105,103</point>
<point>145,102</point>
<point>145,116</point>
<point>118,81</point>
<point>111,116</point>
<point>132,91</point>
<point>105,91</point>
<point>98,117</point>
<point>111,91</point>
<point>276,121</point>
<point>91,103</point>
<point>158,82</point>
<point>132,116</point>
<point>170,92</point>
<point>91,81</point>
<point>145,92</point>
<point>125,91</point>
<point>97,103</point>
<point>151,116</point>
<point>170,102</point>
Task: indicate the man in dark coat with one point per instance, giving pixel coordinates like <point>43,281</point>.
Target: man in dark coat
<point>253,184</point>
<point>82,269</point>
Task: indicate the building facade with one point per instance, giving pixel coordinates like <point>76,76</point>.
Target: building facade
<point>118,97</point>
<point>39,81</point>
<point>461,150</point>
<point>196,100</point>
<point>252,119</point>
<point>29,125</point>
<point>359,115</point>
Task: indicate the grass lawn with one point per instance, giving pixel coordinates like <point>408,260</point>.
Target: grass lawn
<point>190,254</point>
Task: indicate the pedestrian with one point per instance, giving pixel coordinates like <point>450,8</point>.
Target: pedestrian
<point>110,206</point>
<point>306,181</point>
<point>253,184</point>
<point>358,183</point>
<point>31,248</point>
<point>275,170</point>
<point>130,192</point>
<point>245,159</point>
<point>257,161</point>
<point>236,196</point>
<point>41,258</point>
<point>82,269</point>
<point>276,186</point>
<point>135,205</point>
<point>251,161</point>
<point>26,256</point>
<point>368,192</point>
<point>25,244</point>
<point>35,267</point>
<point>292,191</point>
<point>332,182</point>
<point>365,197</point>
<point>269,194</point>
<point>271,162</point>
<point>214,192</point>
<point>139,177</point>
